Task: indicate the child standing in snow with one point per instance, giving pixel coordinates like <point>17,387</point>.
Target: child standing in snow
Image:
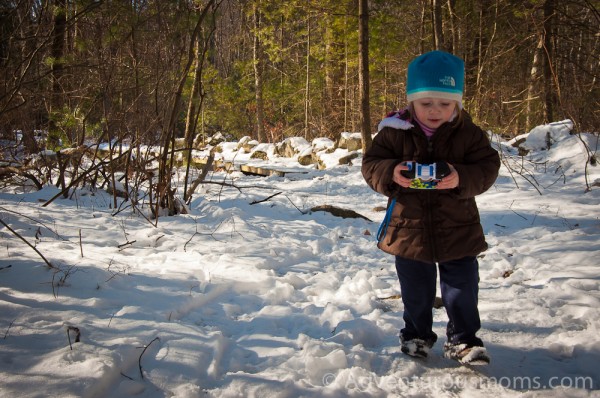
<point>434,228</point>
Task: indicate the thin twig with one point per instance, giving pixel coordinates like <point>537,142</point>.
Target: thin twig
<point>226,174</point>
<point>8,329</point>
<point>28,244</point>
<point>140,358</point>
<point>52,283</point>
<point>301,212</point>
<point>34,220</point>
<point>69,337</point>
<point>80,245</point>
<point>192,237</point>
<point>510,208</point>
<point>77,335</point>
<point>114,274</point>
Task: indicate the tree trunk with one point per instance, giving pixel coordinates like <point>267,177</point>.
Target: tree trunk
<point>329,65</point>
<point>453,47</point>
<point>58,52</point>
<point>548,46</point>
<point>363,75</point>
<point>197,99</point>
<point>438,34</point>
<point>422,28</point>
<point>533,79</point>
<point>307,84</point>
<point>346,82</point>
<point>481,49</point>
<point>193,100</point>
<point>258,76</point>
<point>165,194</point>
<point>191,117</point>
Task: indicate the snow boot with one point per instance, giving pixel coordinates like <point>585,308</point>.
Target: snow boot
<point>468,355</point>
<point>417,348</point>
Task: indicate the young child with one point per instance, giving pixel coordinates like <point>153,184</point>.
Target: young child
<point>440,227</point>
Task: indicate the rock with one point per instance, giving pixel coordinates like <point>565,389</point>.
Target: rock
<point>350,141</point>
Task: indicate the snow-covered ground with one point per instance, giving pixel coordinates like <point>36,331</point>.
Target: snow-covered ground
<point>269,300</point>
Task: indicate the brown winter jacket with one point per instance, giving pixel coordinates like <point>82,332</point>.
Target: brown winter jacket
<point>433,225</point>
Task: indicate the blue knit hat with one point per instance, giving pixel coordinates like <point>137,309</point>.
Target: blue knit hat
<point>436,74</point>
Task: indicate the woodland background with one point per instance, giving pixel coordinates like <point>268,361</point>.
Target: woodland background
<point>157,73</point>
<point>149,70</point>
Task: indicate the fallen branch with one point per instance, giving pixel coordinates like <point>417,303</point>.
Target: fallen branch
<point>140,358</point>
<point>9,171</point>
<point>264,200</point>
<point>339,212</point>
<point>28,244</point>
<point>122,245</point>
<point>201,177</point>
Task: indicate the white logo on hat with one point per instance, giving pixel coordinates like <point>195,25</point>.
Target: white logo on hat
<point>448,81</point>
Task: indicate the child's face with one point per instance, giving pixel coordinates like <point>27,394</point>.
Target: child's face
<point>433,112</point>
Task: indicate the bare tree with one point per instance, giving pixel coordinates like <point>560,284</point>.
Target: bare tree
<point>165,192</point>
<point>57,54</point>
<point>438,32</point>
<point>258,74</point>
<point>307,85</point>
<point>549,93</point>
<point>363,49</point>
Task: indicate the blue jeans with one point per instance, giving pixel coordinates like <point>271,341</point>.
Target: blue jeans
<point>459,284</point>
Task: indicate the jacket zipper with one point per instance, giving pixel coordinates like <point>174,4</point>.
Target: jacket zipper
<point>428,203</point>
<point>430,229</point>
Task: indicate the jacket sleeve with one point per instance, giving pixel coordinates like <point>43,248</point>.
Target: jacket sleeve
<point>379,162</point>
<point>480,167</point>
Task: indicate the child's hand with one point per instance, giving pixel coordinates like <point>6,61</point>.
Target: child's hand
<point>450,181</point>
<point>398,178</point>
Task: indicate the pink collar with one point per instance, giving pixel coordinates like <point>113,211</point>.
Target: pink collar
<point>428,131</point>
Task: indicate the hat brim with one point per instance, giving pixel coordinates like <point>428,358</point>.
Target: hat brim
<point>453,96</point>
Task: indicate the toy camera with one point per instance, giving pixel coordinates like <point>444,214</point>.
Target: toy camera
<point>426,176</point>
